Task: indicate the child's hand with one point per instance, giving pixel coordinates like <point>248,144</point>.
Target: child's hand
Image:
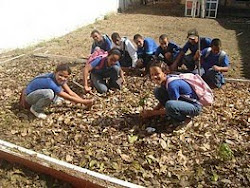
<point>89,102</point>
<point>197,55</point>
<point>146,113</point>
<point>216,68</point>
<point>87,89</point>
<point>139,63</point>
<point>123,80</point>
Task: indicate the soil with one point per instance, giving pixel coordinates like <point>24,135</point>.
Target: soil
<point>111,138</point>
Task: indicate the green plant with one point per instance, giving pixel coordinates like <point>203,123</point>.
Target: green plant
<point>143,99</point>
<point>215,177</point>
<point>225,152</point>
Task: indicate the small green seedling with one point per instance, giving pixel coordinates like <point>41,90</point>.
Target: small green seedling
<point>143,100</point>
<point>225,152</point>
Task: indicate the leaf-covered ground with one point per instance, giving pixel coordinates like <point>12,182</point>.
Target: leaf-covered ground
<point>214,151</point>
<point>17,176</point>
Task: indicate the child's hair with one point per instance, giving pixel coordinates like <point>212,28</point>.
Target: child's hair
<point>95,31</point>
<point>161,64</point>
<point>63,67</point>
<point>216,42</point>
<point>115,36</point>
<point>114,51</point>
<point>163,36</point>
<point>137,36</point>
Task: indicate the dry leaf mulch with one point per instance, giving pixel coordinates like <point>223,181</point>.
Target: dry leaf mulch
<point>112,139</point>
<point>18,176</point>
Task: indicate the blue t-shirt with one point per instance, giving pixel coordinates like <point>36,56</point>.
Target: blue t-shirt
<point>105,44</point>
<point>149,47</point>
<point>44,81</point>
<point>213,59</point>
<point>172,48</point>
<point>179,87</point>
<point>101,64</point>
<point>204,43</point>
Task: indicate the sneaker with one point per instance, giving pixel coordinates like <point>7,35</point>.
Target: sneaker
<point>58,100</point>
<point>39,115</point>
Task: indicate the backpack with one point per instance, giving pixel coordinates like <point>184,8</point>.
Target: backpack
<point>200,87</point>
<point>105,36</point>
<point>125,60</point>
<point>22,100</point>
<point>221,55</point>
<point>96,54</point>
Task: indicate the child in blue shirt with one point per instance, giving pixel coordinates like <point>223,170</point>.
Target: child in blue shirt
<point>45,88</point>
<point>100,41</point>
<point>104,67</point>
<point>168,51</point>
<point>189,60</point>
<point>176,99</point>
<point>146,48</point>
<point>214,62</point>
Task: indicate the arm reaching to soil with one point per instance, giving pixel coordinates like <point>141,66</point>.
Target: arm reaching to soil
<point>70,95</point>
<point>122,76</point>
<point>150,113</point>
<point>175,64</point>
<point>220,69</point>
<point>86,71</point>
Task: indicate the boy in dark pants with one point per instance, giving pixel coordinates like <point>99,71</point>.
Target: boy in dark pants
<point>129,55</point>
<point>168,51</point>
<point>214,62</point>
<point>146,48</point>
<point>192,44</point>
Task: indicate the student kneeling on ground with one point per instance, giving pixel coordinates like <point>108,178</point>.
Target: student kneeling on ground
<point>100,41</point>
<point>168,51</point>
<point>102,68</point>
<point>214,62</point>
<point>129,55</point>
<point>146,48</point>
<point>47,88</point>
<point>190,60</point>
<point>177,97</point>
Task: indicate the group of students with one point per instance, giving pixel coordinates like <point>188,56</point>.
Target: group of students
<point>109,57</point>
<point>213,59</point>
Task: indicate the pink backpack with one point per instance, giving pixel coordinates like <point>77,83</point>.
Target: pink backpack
<point>97,53</point>
<point>200,87</point>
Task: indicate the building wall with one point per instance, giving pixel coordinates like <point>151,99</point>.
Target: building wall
<point>241,3</point>
<point>26,22</point>
<point>228,2</point>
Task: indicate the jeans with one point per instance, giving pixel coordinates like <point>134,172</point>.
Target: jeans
<point>40,98</point>
<point>98,79</point>
<point>212,77</point>
<point>176,109</point>
<point>179,110</point>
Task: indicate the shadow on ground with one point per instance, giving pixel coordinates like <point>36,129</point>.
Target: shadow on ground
<point>161,8</point>
<point>238,19</point>
<point>134,122</point>
<point>231,18</point>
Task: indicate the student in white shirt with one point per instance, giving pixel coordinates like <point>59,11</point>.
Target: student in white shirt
<point>129,54</point>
